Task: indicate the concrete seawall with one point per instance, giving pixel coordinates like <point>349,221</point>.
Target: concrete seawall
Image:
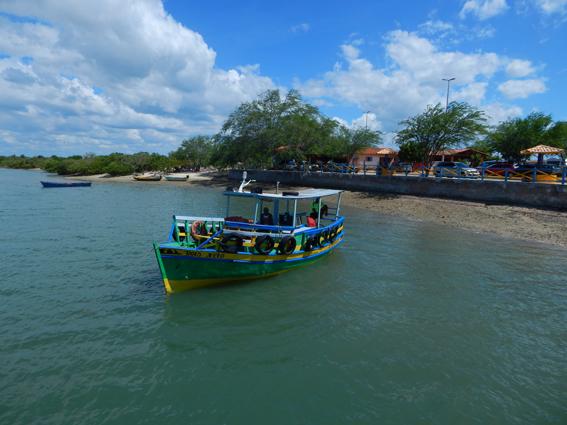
<point>516,193</point>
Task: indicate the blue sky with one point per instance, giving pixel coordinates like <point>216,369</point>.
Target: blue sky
<point>126,76</point>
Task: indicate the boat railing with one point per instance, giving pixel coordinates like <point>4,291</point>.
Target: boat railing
<point>215,228</point>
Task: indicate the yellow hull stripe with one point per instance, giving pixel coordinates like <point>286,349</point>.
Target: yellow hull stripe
<point>173,286</point>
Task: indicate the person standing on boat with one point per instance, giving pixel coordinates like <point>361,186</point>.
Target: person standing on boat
<point>315,207</point>
<point>266,217</point>
<point>312,218</point>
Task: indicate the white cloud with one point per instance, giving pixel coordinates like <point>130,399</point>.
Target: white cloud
<point>496,112</point>
<point>152,75</point>
<point>483,9</point>
<point>552,6</point>
<point>367,120</point>
<point>520,89</point>
<point>436,26</point>
<point>412,79</point>
<point>518,68</point>
<point>303,27</point>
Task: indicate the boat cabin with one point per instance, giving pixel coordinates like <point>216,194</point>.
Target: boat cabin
<point>251,213</point>
<point>287,210</point>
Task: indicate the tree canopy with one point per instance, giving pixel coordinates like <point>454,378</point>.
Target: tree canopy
<point>275,128</point>
<point>514,135</point>
<point>194,152</point>
<point>437,129</point>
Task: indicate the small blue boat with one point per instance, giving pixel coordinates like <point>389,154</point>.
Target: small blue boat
<point>65,184</point>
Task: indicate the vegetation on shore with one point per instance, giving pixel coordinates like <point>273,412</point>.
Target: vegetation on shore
<point>460,124</point>
<point>273,129</point>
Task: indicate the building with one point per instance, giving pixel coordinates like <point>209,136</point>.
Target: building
<point>469,155</point>
<point>374,157</point>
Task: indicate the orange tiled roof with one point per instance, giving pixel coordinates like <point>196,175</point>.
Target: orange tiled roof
<point>542,149</point>
<point>376,151</point>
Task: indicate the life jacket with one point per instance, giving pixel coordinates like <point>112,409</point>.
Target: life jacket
<point>311,222</point>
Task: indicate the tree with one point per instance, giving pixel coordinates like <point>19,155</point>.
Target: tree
<point>275,128</point>
<point>194,152</point>
<point>515,135</point>
<point>437,129</point>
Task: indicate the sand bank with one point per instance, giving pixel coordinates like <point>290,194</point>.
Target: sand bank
<point>193,177</point>
<point>508,221</point>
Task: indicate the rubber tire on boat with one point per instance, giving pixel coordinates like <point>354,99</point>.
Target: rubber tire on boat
<point>287,245</point>
<point>227,243</point>
<point>333,234</point>
<point>323,237</point>
<point>310,243</point>
<point>266,240</point>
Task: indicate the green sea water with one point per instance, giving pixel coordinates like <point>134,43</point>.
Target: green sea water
<point>405,323</point>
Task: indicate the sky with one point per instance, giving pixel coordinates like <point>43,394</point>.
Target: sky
<point>142,75</point>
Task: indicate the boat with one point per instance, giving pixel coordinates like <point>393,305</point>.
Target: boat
<point>65,184</point>
<point>204,251</point>
<point>176,177</point>
<point>149,177</point>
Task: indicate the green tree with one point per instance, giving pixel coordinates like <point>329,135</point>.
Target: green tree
<point>437,129</point>
<point>512,136</point>
<point>276,128</point>
<point>194,152</point>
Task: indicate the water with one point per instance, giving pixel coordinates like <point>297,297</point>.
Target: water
<point>406,323</point>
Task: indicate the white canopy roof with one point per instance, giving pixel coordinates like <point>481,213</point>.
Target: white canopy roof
<point>304,194</point>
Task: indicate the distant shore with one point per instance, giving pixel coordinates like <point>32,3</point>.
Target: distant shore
<point>194,177</point>
<point>516,222</point>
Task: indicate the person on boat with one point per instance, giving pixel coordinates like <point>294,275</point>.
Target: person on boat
<point>324,207</point>
<point>312,219</point>
<point>266,217</point>
<point>285,219</point>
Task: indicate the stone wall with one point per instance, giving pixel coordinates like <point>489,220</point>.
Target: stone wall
<point>513,192</point>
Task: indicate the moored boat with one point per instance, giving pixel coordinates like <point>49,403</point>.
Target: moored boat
<point>176,177</point>
<point>149,177</point>
<point>203,251</point>
<point>65,184</point>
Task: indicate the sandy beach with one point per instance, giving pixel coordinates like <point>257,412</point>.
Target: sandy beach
<point>546,226</point>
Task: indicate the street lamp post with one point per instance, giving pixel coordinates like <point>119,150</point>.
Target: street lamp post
<point>448,84</point>
<point>366,120</point>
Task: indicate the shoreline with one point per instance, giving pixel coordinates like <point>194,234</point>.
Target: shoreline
<point>513,222</point>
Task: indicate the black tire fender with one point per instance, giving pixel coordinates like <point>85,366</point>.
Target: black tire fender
<point>264,244</point>
<point>310,243</point>
<point>231,243</point>
<point>333,234</point>
<point>287,245</point>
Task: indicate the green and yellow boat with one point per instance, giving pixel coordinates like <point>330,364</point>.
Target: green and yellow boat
<point>285,230</point>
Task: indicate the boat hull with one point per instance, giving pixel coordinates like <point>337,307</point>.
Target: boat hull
<point>65,184</point>
<point>147,178</point>
<point>184,269</point>
<point>176,178</point>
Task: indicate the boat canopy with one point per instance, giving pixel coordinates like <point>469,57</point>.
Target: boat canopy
<point>304,194</point>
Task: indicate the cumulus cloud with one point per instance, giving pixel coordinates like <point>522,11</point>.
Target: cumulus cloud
<point>303,27</point>
<point>518,68</point>
<point>483,9</point>
<point>412,79</point>
<point>93,74</point>
<point>552,6</point>
<point>520,89</point>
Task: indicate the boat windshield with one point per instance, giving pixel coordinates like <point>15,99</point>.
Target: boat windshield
<point>313,208</point>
